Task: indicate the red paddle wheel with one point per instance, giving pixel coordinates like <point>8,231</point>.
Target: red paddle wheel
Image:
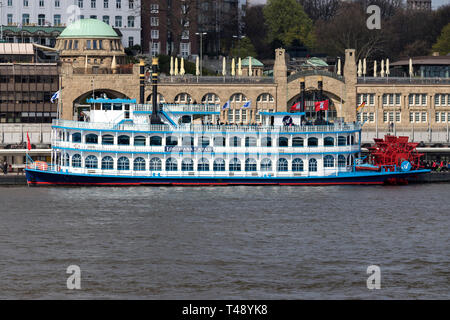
<point>392,151</point>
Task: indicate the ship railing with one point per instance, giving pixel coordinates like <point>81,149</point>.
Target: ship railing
<point>172,107</point>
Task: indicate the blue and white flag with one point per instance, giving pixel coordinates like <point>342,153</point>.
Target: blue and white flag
<point>226,105</point>
<point>54,97</point>
<point>247,104</point>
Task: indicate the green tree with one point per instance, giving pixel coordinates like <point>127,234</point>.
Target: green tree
<point>243,48</point>
<point>443,42</point>
<point>287,21</point>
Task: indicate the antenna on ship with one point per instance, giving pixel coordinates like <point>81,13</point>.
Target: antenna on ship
<point>155,119</point>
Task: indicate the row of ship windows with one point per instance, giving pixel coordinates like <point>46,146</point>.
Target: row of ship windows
<point>187,164</point>
<point>414,99</point>
<point>217,141</point>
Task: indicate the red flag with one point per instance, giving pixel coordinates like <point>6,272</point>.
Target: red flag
<point>28,142</point>
<point>321,105</point>
<point>296,107</point>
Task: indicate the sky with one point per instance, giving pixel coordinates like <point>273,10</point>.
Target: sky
<point>435,3</point>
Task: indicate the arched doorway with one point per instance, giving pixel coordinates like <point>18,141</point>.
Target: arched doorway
<point>311,97</point>
<point>80,105</point>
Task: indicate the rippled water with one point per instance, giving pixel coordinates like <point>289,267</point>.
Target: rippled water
<point>225,242</point>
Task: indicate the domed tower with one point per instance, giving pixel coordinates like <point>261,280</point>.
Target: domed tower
<point>91,44</point>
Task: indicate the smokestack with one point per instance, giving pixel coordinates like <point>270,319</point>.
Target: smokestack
<point>155,119</point>
<point>142,81</point>
<point>302,94</point>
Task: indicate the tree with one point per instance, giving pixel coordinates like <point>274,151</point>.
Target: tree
<point>243,48</point>
<point>287,21</point>
<point>320,9</point>
<point>255,28</point>
<point>443,42</point>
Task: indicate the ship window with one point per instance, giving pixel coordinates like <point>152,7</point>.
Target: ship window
<point>266,164</point>
<point>341,161</point>
<point>155,164</point>
<point>171,164</point>
<point>282,165</point>
<point>312,165</point>
<point>107,163</point>
<point>171,141</point>
<point>203,165</point>
<point>203,142</point>
<point>123,163</point>
<point>106,106</point>
<point>266,142</point>
<point>283,142</point>
<point>297,142</point>
<point>313,142</point>
<point>187,165</point>
<point>155,141</point>
<point>117,106</point>
<point>66,160</point>
<point>328,141</point>
<point>342,141</point>
<point>139,141</point>
<point>250,164</point>
<point>235,165</point>
<point>235,142</point>
<point>107,139</point>
<point>297,165</point>
<point>76,161</point>
<point>187,141</point>
<point>328,161</point>
<point>219,165</point>
<point>139,164</point>
<point>250,142</point>
<point>91,162</point>
<point>123,140</point>
<point>219,142</point>
<point>76,137</point>
<point>91,138</point>
<point>350,160</point>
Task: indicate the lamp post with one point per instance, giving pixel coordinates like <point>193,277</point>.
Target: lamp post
<point>201,50</point>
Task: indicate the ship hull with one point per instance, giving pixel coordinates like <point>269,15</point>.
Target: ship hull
<point>42,178</point>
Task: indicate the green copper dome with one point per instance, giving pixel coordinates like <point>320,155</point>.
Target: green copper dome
<point>88,28</point>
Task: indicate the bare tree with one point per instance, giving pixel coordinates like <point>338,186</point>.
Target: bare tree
<point>320,9</point>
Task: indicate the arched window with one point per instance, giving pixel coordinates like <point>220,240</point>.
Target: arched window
<point>250,164</point>
<point>235,142</point>
<point>297,142</point>
<point>283,142</point>
<point>187,165</point>
<point>139,141</point>
<point>203,142</point>
<point>352,139</point>
<point>171,164</point>
<point>266,164</point>
<point>210,98</point>
<point>219,165</point>
<point>328,161</point>
<point>297,165</point>
<point>203,164</point>
<point>219,141</point>
<point>328,141</point>
<point>123,163</point>
<point>238,97</point>
<point>188,141</point>
<point>107,163</point>
<point>312,165</point>
<point>171,141</point>
<point>155,141</point>
<point>265,97</point>
<point>107,139</point>
<point>342,141</point>
<point>91,138</point>
<point>76,137</point>
<point>313,142</point>
<point>66,160</point>
<point>266,142</point>
<point>123,140</point>
<point>183,98</point>
<point>91,162</point>
<point>235,165</point>
<point>155,164</point>
<point>282,165</point>
<point>341,161</point>
<point>139,164</point>
<point>76,161</point>
<point>350,160</point>
<point>250,141</point>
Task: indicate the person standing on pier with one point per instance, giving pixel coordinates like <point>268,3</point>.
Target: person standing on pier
<point>5,167</point>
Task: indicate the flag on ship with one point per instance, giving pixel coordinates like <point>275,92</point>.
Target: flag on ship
<point>247,104</point>
<point>54,97</point>
<point>226,105</point>
<point>296,107</point>
<point>28,142</point>
<point>321,105</point>
<point>362,105</point>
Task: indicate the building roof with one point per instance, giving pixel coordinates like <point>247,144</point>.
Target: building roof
<point>430,60</point>
<point>255,62</point>
<point>16,48</point>
<point>88,28</point>
<point>316,62</point>
<point>33,29</point>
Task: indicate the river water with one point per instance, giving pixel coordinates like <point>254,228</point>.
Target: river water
<point>226,242</point>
